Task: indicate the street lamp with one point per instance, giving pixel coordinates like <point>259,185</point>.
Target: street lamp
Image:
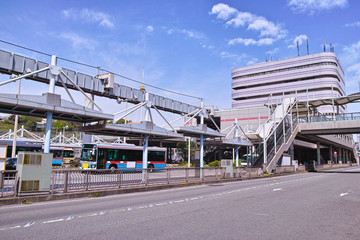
<point>63,138</point>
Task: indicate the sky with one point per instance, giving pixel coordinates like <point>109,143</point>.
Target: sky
<point>185,46</point>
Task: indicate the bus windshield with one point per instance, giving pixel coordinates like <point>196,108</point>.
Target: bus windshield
<point>68,153</point>
<point>88,154</point>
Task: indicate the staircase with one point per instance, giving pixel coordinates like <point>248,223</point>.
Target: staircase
<point>283,128</point>
<point>265,129</point>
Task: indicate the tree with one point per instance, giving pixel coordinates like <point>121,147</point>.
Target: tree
<point>122,121</point>
<point>183,149</point>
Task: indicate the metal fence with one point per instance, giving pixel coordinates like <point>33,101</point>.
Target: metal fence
<point>78,180</point>
<point>332,117</point>
<point>8,183</point>
<point>64,180</point>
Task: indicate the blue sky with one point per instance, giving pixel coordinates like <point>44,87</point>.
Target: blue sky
<point>182,45</point>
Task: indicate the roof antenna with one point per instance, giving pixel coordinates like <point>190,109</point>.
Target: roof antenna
<point>297,44</point>
<point>324,46</point>
<point>307,46</point>
<point>331,48</point>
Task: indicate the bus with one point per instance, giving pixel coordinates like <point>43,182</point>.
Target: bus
<point>62,155</point>
<point>120,156</point>
<point>21,146</point>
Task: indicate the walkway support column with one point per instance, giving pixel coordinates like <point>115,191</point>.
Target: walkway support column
<point>318,155</point>
<point>237,156</point>
<point>49,115</point>
<point>340,155</point>
<point>331,154</point>
<point>201,140</point>
<point>145,158</point>
<point>292,153</point>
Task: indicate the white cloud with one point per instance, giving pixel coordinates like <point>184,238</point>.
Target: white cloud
<point>272,52</point>
<point>90,16</point>
<point>313,6</point>
<point>78,42</point>
<point>223,11</point>
<point>301,38</point>
<point>354,24</point>
<point>351,54</point>
<point>250,41</point>
<point>150,28</point>
<point>192,34</point>
<point>269,32</point>
<point>252,61</point>
<point>350,59</point>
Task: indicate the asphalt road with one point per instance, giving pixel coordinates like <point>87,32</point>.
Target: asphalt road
<point>322,205</point>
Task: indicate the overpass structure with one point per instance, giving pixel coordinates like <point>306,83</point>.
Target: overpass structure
<point>51,106</point>
<point>275,136</point>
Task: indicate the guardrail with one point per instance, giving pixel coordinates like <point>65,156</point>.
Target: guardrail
<point>92,179</point>
<point>78,180</point>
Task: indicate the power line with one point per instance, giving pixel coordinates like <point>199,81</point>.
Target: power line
<point>99,68</point>
<point>46,54</point>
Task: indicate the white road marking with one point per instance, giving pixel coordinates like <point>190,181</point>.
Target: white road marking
<point>69,218</point>
<point>55,220</point>
<point>178,201</point>
<point>90,215</point>
<point>277,189</point>
<point>101,213</point>
<point>160,204</point>
<point>343,194</point>
<point>9,228</point>
<point>29,224</point>
<point>195,198</point>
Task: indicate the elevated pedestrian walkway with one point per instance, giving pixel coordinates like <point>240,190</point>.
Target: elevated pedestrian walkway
<point>280,130</point>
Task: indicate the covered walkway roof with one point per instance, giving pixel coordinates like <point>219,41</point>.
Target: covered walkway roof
<point>39,105</point>
<point>302,106</point>
<point>144,128</point>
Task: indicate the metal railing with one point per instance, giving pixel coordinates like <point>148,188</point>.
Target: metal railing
<point>8,183</point>
<point>77,180</point>
<point>288,123</point>
<point>332,117</point>
<point>64,180</point>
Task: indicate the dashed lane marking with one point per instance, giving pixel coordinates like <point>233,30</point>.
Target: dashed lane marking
<point>29,224</point>
<point>55,220</point>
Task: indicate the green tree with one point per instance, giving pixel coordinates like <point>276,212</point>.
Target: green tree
<point>122,121</point>
<point>183,149</point>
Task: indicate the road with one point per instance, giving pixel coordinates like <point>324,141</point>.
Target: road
<point>322,205</point>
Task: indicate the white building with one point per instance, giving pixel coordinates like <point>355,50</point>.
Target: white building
<point>310,77</point>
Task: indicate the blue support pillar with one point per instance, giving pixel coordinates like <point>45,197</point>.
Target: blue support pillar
<point>48,132</point>
<point>145,158</point>
<point>49,116</point>
<point>237,157</point>
<point>201,154</point>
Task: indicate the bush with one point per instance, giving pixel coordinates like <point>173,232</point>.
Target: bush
<point>215,163</point>
<point>75,164</point>
<point>185,164</point>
